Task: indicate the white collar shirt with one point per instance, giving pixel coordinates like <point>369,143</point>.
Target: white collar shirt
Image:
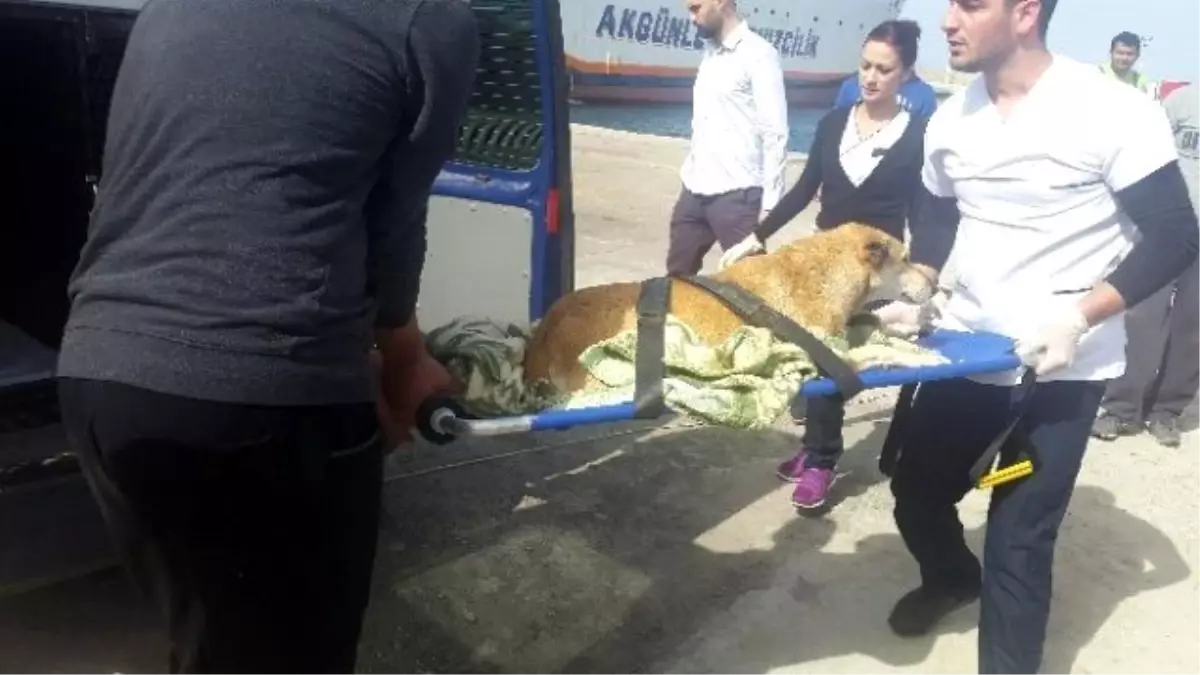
<point>860,155</point>
<point>739,119</point>
<point>1040,223</point>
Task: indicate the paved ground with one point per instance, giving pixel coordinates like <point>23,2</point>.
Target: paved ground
<point>649,547</point>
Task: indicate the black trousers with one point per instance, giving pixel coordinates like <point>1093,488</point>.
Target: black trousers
<point>252,528</point>
<point>1162,354</point>
<point>699,221</point>
<point>951,424</point>
<point>824,417</point>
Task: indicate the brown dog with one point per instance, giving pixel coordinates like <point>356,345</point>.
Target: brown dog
<point>819,282</point>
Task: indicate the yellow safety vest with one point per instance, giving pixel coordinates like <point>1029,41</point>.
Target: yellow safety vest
<point>1134,79</point>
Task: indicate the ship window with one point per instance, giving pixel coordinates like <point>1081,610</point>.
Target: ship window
<point>503,126</point>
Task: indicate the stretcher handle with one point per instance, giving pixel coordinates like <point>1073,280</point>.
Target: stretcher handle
<point>441,419</point>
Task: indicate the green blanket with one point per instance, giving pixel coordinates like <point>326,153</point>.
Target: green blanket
<point>747,382</point>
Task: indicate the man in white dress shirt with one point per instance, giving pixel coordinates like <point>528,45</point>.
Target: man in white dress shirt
<point>734,172</point>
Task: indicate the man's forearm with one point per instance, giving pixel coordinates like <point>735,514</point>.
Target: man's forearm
<point>774,144</point>
<point>398,260</point>
<point>398,344</point>
<point>1100,303</point>
<point>933,230</point>
<point>793,201</point>
<point>770,100</point>
<point>1160,208</point>
<point>444,51</point>
<point>775,170</point>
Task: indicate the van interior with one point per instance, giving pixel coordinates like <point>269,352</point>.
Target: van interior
<point>52,121</point>
<point>60,63</point>
<point>61,60</point>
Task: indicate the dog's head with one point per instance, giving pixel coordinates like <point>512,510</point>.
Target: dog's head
<point>890,274</point>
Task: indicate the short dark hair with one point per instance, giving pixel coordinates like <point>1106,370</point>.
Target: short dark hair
<point>1044,15</point>
<point>1132,40</point>
<point>902,35</point>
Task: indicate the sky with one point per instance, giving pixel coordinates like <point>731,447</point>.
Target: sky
<point>1082,30</point>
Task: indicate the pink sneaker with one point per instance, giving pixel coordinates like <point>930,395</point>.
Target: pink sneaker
<point>812,487</point>
<point>790,470</point>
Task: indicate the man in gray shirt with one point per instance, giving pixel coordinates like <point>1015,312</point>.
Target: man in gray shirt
<point>1162,372</point>
<point>259,225</point>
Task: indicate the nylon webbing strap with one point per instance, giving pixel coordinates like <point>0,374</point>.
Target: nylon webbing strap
<point>896,430</point>
<point>756,313</point>
<point>985,461</point>
<point>653,302</point>
<point>894,442</point>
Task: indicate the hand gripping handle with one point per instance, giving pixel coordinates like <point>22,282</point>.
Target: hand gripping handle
<point>441,419</point>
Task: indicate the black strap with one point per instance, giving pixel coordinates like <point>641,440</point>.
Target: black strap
<point>985,461</point>
<point>889,455</point>
<point>890,452</point>
<point>653,302</point>
<point>755,312</point>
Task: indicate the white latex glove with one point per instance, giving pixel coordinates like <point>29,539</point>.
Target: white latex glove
<point>744,248</point>
<point>938,302</point>
<point>907,319</point>
<point>1053,345</point>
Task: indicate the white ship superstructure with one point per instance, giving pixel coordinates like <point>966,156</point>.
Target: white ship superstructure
<point>639,50</point>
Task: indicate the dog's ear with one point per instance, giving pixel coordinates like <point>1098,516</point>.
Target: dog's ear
<point>877,252</point>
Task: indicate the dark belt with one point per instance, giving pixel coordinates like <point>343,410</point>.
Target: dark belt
<point>653,303</point>
<point>654,300</point>
<point>1008,437</point>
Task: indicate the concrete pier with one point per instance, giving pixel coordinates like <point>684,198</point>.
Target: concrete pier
<point>667,547</point>
<point>625,187</point>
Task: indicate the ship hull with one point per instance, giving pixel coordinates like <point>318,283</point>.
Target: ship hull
<point>643,52</point>
<point>807,96</point>
<point>587,87</point>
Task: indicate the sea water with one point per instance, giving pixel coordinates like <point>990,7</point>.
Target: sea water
<point>676,120</point>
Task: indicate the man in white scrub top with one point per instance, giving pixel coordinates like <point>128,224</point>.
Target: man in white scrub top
<point>1065,193</point>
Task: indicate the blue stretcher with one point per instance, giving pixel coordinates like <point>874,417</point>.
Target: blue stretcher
<point>969,353</point>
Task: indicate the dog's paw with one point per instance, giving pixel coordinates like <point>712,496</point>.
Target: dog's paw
<point>901,331</point>
<point>861,327</point>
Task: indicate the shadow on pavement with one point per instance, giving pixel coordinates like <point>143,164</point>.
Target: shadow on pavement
<point>612,556</point>
<point>639,549</point>
<point>831,622</point>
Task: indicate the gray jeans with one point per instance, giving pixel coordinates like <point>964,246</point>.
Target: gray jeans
<point>1162,369</point>
<point>699,221</point>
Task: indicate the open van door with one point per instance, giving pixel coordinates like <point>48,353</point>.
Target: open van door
<point>500,230</point>
<point>59,65</point>
<point>501,226</point>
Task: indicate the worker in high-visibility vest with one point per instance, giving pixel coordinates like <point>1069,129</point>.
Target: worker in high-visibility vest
<point>1123,52</point>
